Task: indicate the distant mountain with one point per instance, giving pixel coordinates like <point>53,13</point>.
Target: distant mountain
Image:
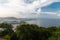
<point>39,21</point>
<point>10,18</point>
<point>21,19</point>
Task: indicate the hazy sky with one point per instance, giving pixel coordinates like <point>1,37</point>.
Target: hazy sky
<point>30,8</point>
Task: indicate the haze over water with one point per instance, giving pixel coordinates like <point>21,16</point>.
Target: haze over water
<point>45,22</point>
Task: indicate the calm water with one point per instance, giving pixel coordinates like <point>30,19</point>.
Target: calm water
<point>45,22</point>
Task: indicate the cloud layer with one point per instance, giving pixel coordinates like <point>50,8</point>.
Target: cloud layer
<point>23,8</point>
<point>17,6</point>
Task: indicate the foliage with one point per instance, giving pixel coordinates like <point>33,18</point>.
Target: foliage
<point>7,30</point>
<point>31,32</point>
<point>25,31</point>
<point>6,37</point>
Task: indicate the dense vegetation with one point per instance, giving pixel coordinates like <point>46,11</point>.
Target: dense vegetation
<point>26,31</point>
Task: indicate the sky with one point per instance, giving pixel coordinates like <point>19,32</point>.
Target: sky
<point>30,8</point>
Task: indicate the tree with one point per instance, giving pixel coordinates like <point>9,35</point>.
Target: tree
<point>7,28</point>
<point>53,28</point>
<point>14,36</point>
<point>31,32</point>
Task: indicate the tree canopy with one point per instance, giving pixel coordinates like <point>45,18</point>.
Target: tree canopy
<point>31,32</point>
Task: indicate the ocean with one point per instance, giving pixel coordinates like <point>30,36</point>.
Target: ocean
<point>45,22</point>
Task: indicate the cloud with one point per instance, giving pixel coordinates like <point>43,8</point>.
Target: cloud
<point>52,15</point>
<point>18,6</point>
<point>49,13</point>
<point>48,2</point>
<point>29,1</point>
<point>3,1</point>
<point>21,8</point>
<point>58,13</point>
<point>57,0</point>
